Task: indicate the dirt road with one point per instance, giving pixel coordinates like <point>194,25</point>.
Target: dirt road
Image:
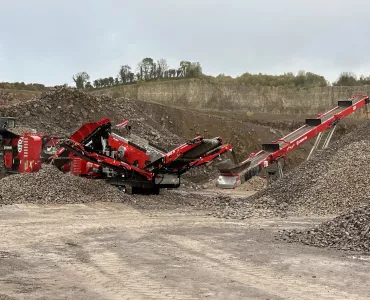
<point>112,251</point>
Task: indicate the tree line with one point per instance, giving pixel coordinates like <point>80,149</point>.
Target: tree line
<point>22,86</point>
<point>301,79</point>
<point>351,79</point>
<point>150,70</point>
<point>147,70</point>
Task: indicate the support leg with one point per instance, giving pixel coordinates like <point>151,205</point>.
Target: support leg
<point>279,170</point>
<point>328,138</point>
<point>275,172</point>
<point>269,177</point>
<point>315,145</point>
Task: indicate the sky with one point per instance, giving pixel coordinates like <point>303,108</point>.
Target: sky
<point>47,41</point>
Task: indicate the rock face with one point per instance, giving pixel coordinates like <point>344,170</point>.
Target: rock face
<point>350,231</point>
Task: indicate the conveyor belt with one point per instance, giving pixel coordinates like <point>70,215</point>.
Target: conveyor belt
<point>273,152</point>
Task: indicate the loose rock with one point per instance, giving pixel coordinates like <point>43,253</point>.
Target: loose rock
<point>50,185</point>
<point>350,231</point>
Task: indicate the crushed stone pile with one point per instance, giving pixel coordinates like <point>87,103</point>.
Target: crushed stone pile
<point>49,185</point>
<point>350,231</point>
<point>5,297</point>
<point>6,98</point>
<point>332,182</point>
<point>62,110</point>
<point>146,127</point>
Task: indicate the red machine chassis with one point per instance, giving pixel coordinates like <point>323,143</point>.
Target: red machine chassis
<point>87,144</point>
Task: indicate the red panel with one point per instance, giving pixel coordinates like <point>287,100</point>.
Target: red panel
<point>87,129</point>
<point>131,154</point>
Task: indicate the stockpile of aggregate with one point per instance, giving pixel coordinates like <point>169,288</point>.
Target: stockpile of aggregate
<point>62,110</point>
<point>350,231</point>
<point>9,99</point>
<point>333,182</point>
<point>5,297</point>
<point>6,98</point>
<point>49,185</point>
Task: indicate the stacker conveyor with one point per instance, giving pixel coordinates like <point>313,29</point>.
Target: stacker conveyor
<point>269,157</point>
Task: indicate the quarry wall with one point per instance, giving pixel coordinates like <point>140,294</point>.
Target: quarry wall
<point>229,96</point>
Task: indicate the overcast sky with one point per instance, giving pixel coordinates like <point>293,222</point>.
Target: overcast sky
<point>47,41</point>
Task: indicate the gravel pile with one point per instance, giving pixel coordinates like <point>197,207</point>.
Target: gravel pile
<point>50,185</point>
<point>61,110</point>
<point>5,297</point>
<point>146,127</point>
<point>6,98</point>
<point>350,231</point>
<point>333,182</point>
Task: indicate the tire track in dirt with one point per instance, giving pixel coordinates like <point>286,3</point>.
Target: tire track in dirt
<point>263,278</point>
<point>115,279</point>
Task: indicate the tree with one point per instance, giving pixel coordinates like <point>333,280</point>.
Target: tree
<point>131,77</point>
<point>178,72</point>
<point>194,70</point>
<point>138,76</point>
<point>172,73</point>
<point>364,80</point>
<point>106,82</point>
<point>80,79</point>
<point>97,83</point>
<point>346,79</point>
<point>146,66</point>
<point>153,71</point>
<point>111,81</point>
<point>184,65</point>
<point>116,81</point>
<point>162,67</point>
<point>88,85</point>
<point>124,72</point>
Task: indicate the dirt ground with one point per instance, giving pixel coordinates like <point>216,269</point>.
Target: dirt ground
<point>113,251</point>
<point>244,132</point>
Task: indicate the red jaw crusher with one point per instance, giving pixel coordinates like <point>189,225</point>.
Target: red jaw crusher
<point>95,151</point>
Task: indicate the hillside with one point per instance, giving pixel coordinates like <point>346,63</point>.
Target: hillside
<point>207,95</point>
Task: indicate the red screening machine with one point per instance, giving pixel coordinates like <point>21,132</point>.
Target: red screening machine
<point>132,163</point>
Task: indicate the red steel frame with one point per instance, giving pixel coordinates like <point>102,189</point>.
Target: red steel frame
<point>308,135</point>
<point>78,149</point>
<point>288,147</point>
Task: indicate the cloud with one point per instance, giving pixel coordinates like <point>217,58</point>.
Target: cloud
<point>49,41</point>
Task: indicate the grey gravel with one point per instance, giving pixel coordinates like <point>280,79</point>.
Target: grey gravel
<point>61,110</point>
<point>5,297</point>
<point>50,185</point>
<point>350,231</point>
<point>333,182</point>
